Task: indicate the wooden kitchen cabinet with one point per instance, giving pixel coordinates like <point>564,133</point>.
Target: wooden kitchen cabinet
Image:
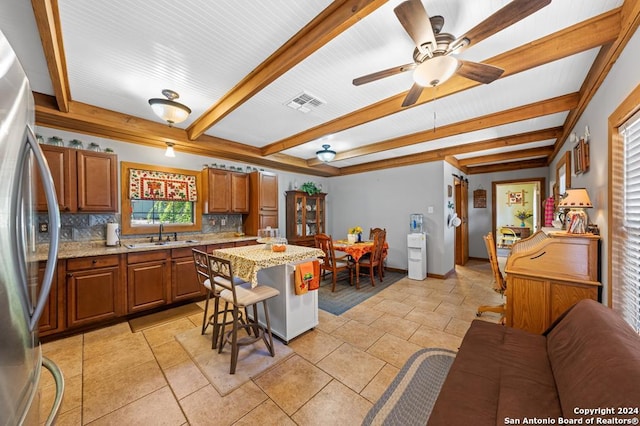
<point>263,202</point>
<point>225,192</point>
<point>94,289</point>
<point>184,281</point>
<point>148,280</point>
<point>85,181</point>
<point>53,316</point>
<point>305,217</point>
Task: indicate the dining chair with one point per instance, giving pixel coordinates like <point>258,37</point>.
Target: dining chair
<point>372,232</point>
<point>507,237</point>
<point>241,297</point>
<point>330,262</point>
<point>500,284</point>
<point>374,262</point>
<point>201,264</point>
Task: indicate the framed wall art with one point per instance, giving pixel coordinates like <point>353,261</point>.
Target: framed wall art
<point>515,197</point>
<point>480,198</point>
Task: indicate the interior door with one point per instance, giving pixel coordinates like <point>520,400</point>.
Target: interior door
<point>462,231</point>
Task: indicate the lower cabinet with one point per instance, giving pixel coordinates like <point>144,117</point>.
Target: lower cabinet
<point>184,281</point>
<point>53,317</point>
<point>148,278</point>
<point>94,290</point>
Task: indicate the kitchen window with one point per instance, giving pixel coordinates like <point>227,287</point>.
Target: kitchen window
<point>153,195</point>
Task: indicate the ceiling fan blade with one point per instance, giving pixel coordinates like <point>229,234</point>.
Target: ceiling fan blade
<point>413,95</point>
<point>476,71</point>
<point>382,74</point>
<point>503,18</point>
<point>415,21</point>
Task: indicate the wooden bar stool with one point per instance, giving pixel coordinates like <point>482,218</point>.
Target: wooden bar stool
<point>241,297</point>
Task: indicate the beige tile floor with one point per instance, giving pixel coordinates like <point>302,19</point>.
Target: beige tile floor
<point>338,370</point>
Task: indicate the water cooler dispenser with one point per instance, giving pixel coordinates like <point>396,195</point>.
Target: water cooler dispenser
<point>417,248</point>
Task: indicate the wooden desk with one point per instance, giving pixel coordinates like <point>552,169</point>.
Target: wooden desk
<point>521,231</point>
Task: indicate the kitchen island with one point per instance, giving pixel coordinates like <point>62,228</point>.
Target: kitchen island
<point>290,314</point>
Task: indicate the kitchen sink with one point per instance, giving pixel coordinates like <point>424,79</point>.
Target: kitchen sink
<point>160,243</point>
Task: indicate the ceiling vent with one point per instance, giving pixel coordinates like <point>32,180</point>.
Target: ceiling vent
<point>305,102</point>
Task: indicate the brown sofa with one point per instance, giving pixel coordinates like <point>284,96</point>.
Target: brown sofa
<point>586,366</point>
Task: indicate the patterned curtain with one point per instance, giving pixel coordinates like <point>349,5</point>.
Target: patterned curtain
<point>161,186</point>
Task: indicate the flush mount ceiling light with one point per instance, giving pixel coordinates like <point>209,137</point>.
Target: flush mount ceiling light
<point>435,71</point>
<point>170,152</point>
<point>325,154</point>
<point>168,109</point>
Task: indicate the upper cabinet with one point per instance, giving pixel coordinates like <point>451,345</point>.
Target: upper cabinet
<point>85,181</point>
<point>305,217</point>
<point>225,191</point>
<point>263,203</point>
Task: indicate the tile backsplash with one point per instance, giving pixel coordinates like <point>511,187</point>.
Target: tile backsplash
<point>92,227</point>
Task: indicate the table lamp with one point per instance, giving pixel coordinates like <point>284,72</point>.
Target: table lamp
<point>576,200</point>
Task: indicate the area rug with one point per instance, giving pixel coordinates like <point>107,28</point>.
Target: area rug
<point>253,359</point>
<point>409,399</point>
<point>346,297</point>
<point>163,317</point>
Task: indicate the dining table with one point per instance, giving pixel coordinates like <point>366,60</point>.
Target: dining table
<point>356,251</point>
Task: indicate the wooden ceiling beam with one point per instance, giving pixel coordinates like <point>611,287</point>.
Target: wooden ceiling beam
<point>507,167</point>
<point>48,21</point>
<point>607,56</point>
<point>583,36</point>
<point>525,112</point>
<point>507,156</point>
<point>442,154</point>
<point>335,19</point>
<point>91,120</point>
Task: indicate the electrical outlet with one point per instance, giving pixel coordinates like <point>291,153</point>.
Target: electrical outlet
<point>430,209</point>
<point>43,227</point>
<point>223,222</point>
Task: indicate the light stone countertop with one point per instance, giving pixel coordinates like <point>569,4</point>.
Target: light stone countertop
<point>99,248</point>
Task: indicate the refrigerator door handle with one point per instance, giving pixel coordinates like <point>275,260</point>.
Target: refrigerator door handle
<point>59,380</point>
<point>54,228</point>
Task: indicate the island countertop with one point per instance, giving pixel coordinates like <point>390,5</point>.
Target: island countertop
<point>75,249</point>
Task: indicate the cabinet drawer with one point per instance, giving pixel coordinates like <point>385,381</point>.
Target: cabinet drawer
<point>80,263</point>
<point>185,251</point>
<point>212,247</point>
<point>147,256</point>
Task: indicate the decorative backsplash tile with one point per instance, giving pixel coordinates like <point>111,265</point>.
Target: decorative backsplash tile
<point>92,227</point>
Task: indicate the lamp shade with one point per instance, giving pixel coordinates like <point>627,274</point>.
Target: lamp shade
<point>576,198</point>
<point>435,71</point>
<point>326,154</point>
<point>168,109</point>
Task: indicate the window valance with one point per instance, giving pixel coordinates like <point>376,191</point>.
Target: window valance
<point>162,186</point>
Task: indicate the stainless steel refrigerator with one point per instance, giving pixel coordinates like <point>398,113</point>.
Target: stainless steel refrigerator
<point>22,297</point>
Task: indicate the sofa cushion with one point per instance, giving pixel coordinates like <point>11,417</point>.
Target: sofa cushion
<point>595,357</point>
<point>499,373</point>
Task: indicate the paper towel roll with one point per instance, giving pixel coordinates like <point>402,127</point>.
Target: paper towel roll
<point>112,234</point>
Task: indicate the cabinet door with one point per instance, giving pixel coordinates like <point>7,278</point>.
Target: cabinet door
<point>268,191</point>
<point>219,192</point>
<point>147,285</point>
<point>52,319</point>
<point>62,166</point>
<point>266,219</point>
<point>97,181</point>
<point>184,281</point>
<point>92,296</point>
<point>239,193</point>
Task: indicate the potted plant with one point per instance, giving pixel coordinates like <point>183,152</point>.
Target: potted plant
<point>310,188</point>
<point>523,215</point>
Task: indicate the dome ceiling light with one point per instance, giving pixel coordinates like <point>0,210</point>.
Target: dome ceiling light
<point>168,109</point>
<point>326,154</point>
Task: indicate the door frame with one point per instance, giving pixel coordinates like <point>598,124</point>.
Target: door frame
<point>541,181</point>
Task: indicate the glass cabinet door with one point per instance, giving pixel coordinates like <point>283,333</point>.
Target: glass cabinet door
<point>312,215</point>
<point>299,216</point>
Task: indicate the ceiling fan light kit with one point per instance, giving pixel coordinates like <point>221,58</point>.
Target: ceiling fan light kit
<point>168,109</point>
<point>435,71</point>
<point>326,154</point>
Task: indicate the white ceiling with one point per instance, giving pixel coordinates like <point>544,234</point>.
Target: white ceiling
<point>120,53</point>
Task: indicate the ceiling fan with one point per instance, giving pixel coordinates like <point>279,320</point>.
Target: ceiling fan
<point>433,60</point>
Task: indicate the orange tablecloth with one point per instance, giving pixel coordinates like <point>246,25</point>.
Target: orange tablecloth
<point>356,250</point>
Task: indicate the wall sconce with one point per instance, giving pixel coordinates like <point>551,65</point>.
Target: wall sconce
<point>326,154</point>
<point>168,109</point>
<point>576,200</point>
<point>170,152</point>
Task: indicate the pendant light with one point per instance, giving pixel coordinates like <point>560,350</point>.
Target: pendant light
<point>170,152</point>
<point>168,109</point>
<point>326,154</point>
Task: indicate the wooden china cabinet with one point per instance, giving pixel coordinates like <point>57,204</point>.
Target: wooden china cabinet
<point>305,217</point>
